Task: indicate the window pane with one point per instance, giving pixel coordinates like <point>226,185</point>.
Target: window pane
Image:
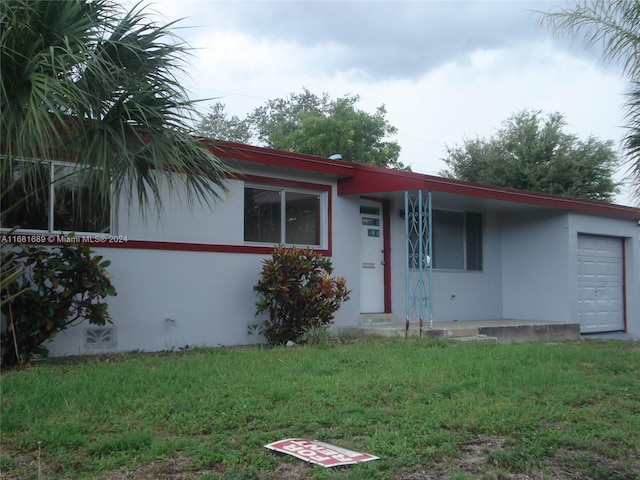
<point>303,218</point>
<point>25,195</point>
<point>262,215</point>
<point>474,241</point>
<point>77,206</point>
<point>369,210</point>
<point>448,239</point>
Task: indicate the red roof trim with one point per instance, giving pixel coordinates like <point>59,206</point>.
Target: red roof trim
<point>373,180</point>
<point>172,246</point>
<point>359,179</point>
<point>279,158</point>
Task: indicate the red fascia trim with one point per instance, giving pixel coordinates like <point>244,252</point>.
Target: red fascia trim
<point>268,156</point>
<point>198,247</point>
<point>178,246</point>
<point>376,180</point>
<point>360,179</point>
<point>189,247</point>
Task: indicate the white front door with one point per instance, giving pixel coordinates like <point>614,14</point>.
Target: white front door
<point>600,284</point>
<point>371,257</point>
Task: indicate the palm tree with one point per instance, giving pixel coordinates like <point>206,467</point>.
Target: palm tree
<point>88,83</point>
<point>613,25</point>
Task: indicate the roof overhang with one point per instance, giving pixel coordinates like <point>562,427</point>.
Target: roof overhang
<point>238,152</point>
<point>359,179</point>
<point>371,180</point>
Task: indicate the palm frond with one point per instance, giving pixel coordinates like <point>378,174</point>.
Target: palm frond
<point>87,82</point>
<point>612,25</point>
<point>631,140</point>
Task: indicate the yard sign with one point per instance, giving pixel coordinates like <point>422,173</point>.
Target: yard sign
<point>319,453</point>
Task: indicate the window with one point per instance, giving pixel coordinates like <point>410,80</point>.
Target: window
<point>457,241</point>
<point>277,215</point>
<point>53,197</point>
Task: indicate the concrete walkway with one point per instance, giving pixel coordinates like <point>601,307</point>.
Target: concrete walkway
<point>611,336</point>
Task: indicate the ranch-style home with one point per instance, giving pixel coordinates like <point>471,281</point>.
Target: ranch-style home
<point>410,246</point>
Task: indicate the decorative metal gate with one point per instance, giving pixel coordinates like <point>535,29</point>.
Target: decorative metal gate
<point>418,255</point>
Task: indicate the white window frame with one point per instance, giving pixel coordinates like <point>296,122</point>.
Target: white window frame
<point>323,234</point>
<point>51,230</point>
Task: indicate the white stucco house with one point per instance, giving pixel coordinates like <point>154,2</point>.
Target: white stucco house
<point>494,253</point>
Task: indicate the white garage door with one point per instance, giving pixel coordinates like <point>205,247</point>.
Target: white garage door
<point>600,284</point>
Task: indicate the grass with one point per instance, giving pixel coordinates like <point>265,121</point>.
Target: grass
<point>465,410</point>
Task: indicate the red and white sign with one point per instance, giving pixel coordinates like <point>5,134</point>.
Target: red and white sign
<point>319,453</point>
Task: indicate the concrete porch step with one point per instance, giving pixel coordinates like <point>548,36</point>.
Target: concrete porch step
<point>500,331</point>
<point>377,319</point>
<point>399,330</point>
<point>476,338</point>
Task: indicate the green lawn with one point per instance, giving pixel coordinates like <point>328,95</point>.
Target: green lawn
<point>427,408</point>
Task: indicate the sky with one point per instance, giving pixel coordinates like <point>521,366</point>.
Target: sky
<point>445,71</point>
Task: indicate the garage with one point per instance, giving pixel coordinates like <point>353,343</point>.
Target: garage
<point>601,284</point>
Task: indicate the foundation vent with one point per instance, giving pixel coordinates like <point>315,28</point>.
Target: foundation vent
<point>255,329</point>
<point>98,338</point>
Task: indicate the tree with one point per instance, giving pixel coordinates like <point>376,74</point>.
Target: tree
<point>217,124</point>
<point>317,125</point>
<point>532,152</point>
<point>88,83</point>
<point>614,26</point>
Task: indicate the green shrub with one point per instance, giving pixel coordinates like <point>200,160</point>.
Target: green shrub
<point>63,286</point>
<point>10,271</point>
<point>296,288</point>
<point>319,336</point>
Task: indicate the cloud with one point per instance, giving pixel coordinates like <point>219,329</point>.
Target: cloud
<point>445,70</point>
<point>382,39</point>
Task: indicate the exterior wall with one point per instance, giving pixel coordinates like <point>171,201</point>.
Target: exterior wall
<point>170,298</point>
<point>629,230</point>
<point>397,255</point>
<point>221,224</point>
<point>346,257</point>
<point>472,295</point>
<point>180,222</point>
<point>536,261</point>
<point>457,295</point>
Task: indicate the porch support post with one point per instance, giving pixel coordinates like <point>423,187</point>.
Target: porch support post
<point>418,255</point>
<point>421,292</point>
<point>430,259</point>
<point>407,252</point>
